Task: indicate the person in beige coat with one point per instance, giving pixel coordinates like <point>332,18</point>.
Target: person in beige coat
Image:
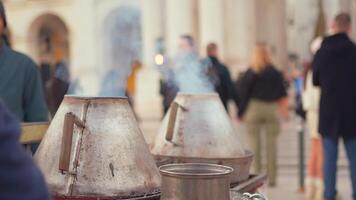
<point>311,100</point>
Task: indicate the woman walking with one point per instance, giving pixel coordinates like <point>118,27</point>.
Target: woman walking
<point>311,100</point>
<point>261,91</point>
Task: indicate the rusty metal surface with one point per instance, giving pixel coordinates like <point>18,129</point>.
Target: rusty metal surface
<point>109,157</point>
<point>195,182</point>
<point>203,131</point>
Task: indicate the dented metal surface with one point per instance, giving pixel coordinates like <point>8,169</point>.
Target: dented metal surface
<point>200,130</point>
<point>109,158</point>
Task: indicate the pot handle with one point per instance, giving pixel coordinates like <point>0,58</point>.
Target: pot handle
<point>67,138</point>
<point>172,119</point>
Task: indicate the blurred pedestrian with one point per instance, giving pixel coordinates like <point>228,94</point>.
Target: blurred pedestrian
<point>20,82</point>
<point>190,73</point>
<point>131,81</point>
<point>261,90</point>
<point>131,85</point>
<point>59,83</point>
<point>221,77</point>
<point>311,100</point>
<point>334,69</point>
<point>20,179</point>
<point>187,73</point>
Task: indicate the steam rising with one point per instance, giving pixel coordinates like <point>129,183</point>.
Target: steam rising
<point>190,74</point>
<point>122,47</point>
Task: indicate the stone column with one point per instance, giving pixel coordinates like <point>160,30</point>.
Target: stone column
<point>179,20</point>
<point>279,28</point>
<point>353,14</point>
<point>147,82</point>
<point>331,9</point>
<point>240,33</point>
<point>211,18</point>
<point>152,28</point>
<point>84,54</point>
<point>271,28</point>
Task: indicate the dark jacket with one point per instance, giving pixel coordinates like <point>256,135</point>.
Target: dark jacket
<point>19,177</point>
<point>21,87</point>
<point>168,90</point>
<point>334,70</point>
<point>223,83</point>
<point>267,85</point>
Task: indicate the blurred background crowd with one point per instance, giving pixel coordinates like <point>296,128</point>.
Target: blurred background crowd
<point>256,54</point>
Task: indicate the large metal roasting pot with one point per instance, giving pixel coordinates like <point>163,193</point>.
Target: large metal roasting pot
<point>195,182</point>
<point>94,149</point>
<point>197,129</point>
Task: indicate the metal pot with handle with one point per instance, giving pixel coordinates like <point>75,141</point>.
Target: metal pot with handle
<point>94,149</point>
<point>197,129</point>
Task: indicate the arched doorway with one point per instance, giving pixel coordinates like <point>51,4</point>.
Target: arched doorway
<point>49,36</point>
<point>122,48</point>
<point>49,44</point>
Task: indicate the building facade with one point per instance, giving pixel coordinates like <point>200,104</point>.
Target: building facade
<point>94,36</point>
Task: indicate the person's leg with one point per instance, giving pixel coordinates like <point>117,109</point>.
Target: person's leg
<point>254,126</point>
<point>319,184</point>
<point>310,182</point>
<point>318,145</point>
<point>272,132</point>
<point>350,145</point>
<point>330,148</point>
<point>254,134</point>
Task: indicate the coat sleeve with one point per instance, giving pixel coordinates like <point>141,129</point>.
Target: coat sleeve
<point>282,90</point>
<point>244,86</point>
<point>34,106</point>
<point>20,178</point>
<point>316,69</point>
<point>232,90</point>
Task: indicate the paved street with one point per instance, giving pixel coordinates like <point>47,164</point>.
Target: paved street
<point>288,159</point>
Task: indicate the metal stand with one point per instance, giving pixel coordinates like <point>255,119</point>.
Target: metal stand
<point>301,142</point>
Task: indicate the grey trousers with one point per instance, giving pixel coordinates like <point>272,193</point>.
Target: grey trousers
<point>263,117</point>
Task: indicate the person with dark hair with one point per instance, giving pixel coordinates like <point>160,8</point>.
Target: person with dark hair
<point>189,39</point>
<point>20,82</point>
<point>220,76</point>
<point>334,70</point>
<point>20,179</point>
<point>190,73</point>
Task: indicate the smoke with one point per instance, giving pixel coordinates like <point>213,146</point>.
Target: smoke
<point>114,83</point>
<point>191,74</point>
<point>122,46</point>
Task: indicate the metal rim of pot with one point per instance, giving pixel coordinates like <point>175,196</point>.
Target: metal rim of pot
<point>248,154</point>
<point>203,170</point>
<point>79,97</point>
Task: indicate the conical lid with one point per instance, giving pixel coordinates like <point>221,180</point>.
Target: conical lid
<point>109,157</point>
<point>197,126</point>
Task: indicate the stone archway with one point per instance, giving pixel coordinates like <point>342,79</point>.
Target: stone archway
<point>122,46</point>
<point>49,44</point>
<point>48,37</point>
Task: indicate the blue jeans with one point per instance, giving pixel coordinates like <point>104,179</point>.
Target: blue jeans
<point>330,147</point>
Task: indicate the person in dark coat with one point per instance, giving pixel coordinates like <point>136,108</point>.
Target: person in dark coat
<point>20,82</point>
<point>20,179</point>
<point>334,70</point>
<point>58,86</point>
<point>221,77</point>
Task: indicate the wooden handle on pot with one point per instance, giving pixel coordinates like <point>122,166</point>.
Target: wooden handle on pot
<point>172,121</point>
<point>67,138</point>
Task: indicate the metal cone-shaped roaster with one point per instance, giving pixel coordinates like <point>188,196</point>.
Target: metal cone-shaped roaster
<point>94,149</point>
<point>197,129</point>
